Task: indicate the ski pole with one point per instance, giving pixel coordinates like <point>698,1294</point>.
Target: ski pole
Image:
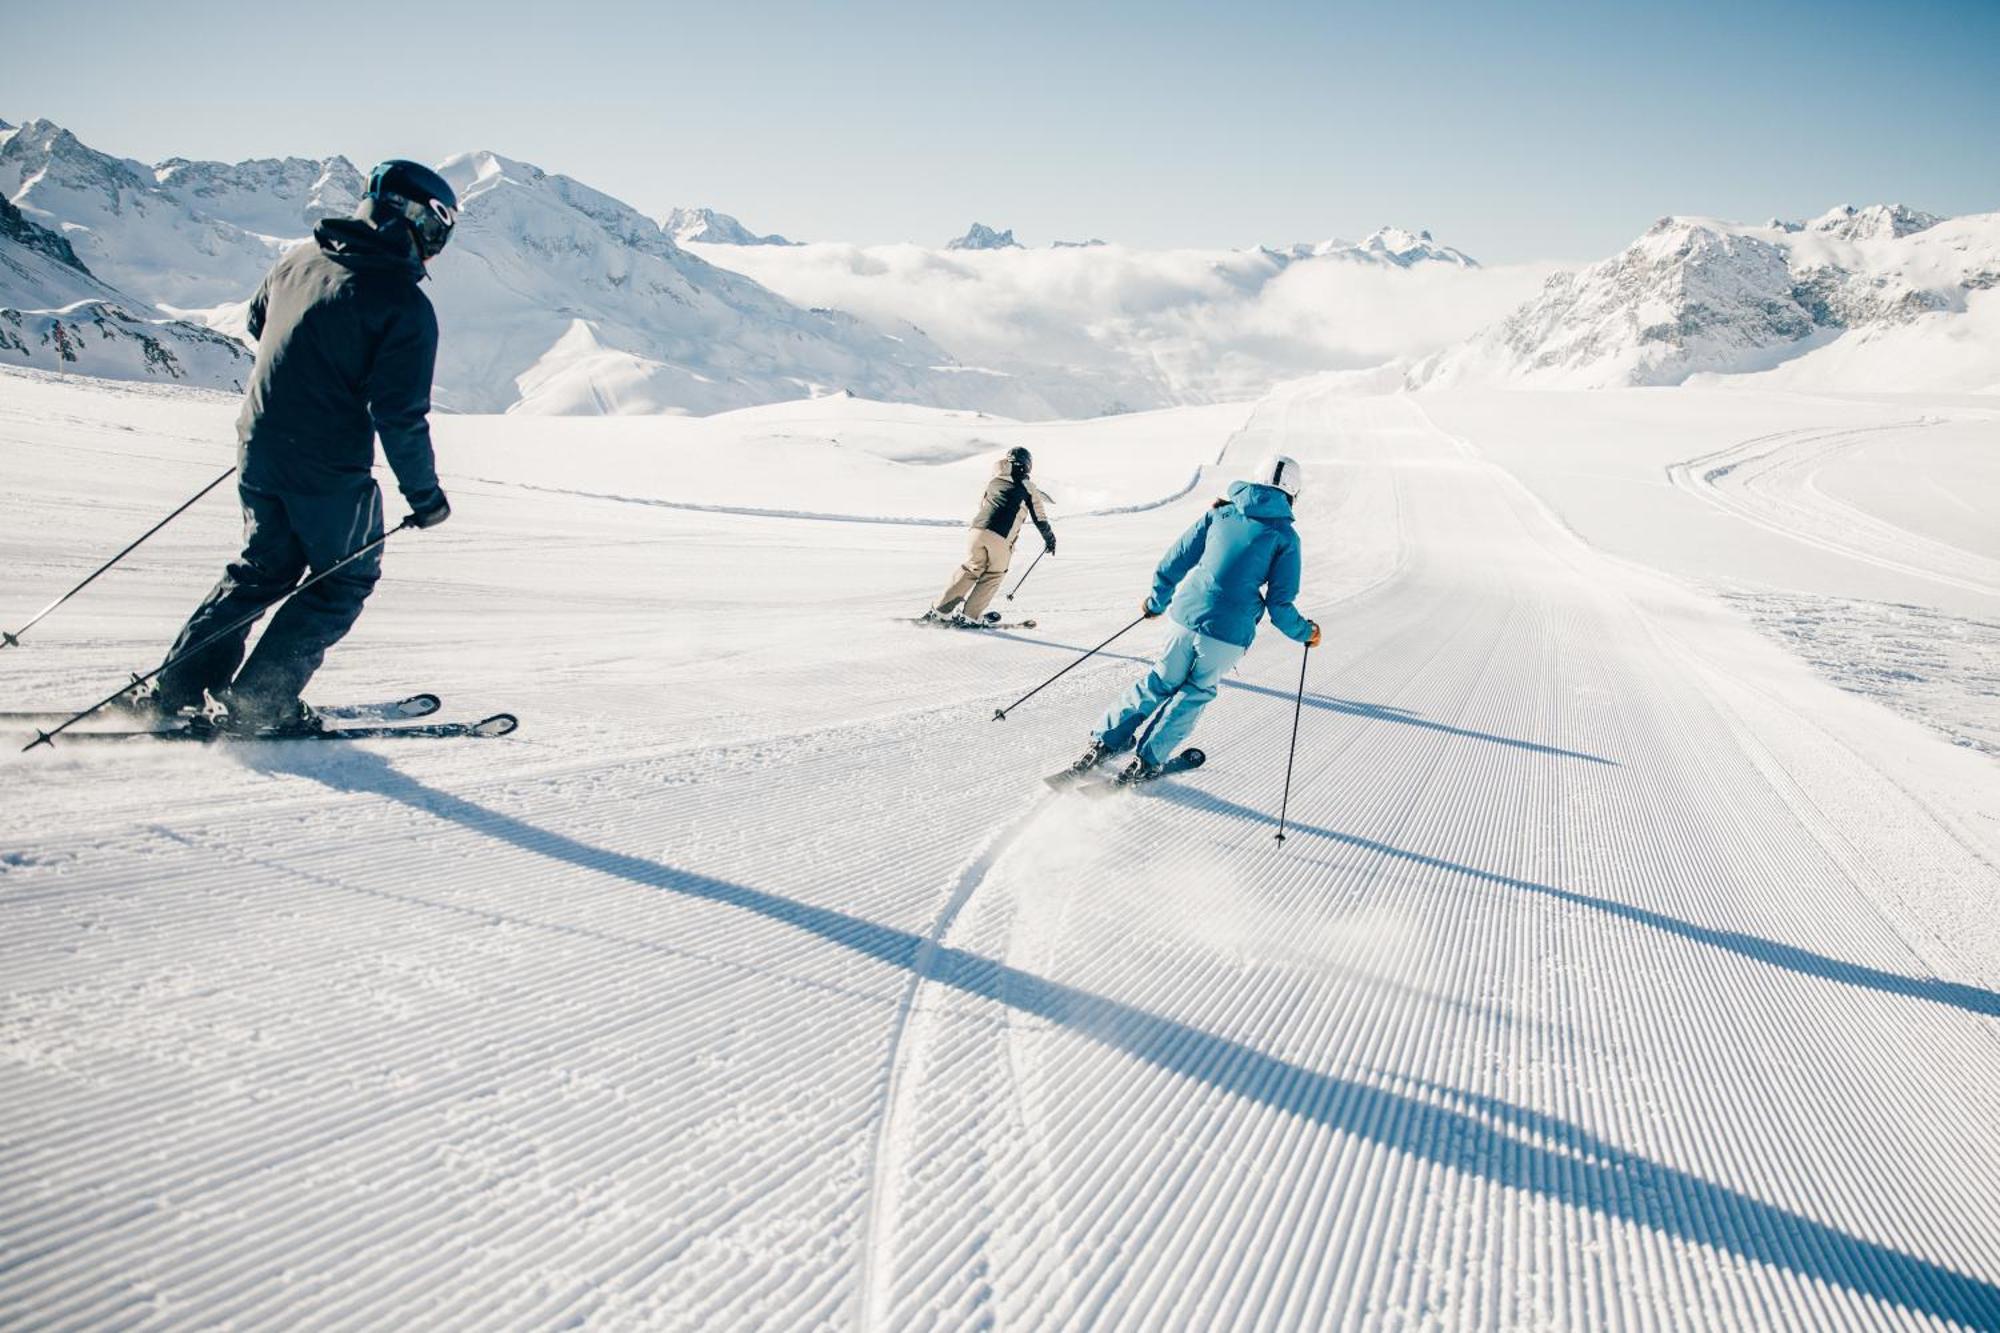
<point>1000,714</point>
<point>48,737</point>
<point>1031,569</point>
<point>1298,704</point>
<point>14,640</point>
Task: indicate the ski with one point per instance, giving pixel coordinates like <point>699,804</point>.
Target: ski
<point>417,705</point>
<point>500,724</point>
<point>1098,782</point>
<point>989,623</point>
<point>1064,778</point>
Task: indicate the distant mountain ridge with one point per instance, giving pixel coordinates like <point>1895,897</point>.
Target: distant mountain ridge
<point>1702,296</point>
<point>1385,245</point>
<point>557,297</point>
<point>705,226</point>
<point>979,236</point>
<point>184,235</point>
<point>58,315</point>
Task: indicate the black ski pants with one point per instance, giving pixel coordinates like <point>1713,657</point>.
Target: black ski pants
<point>284,536</point>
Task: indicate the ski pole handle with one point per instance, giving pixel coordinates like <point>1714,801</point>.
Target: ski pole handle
<point>1000,714</point>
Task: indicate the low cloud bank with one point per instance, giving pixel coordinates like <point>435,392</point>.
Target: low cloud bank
<point>1109,327</point>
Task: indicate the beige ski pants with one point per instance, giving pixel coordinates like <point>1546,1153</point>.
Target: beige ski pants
<point>986,558</point>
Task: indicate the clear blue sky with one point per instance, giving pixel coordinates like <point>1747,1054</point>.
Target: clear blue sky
<point>1532,131</point>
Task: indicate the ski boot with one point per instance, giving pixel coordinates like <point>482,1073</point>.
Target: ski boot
<point>1091,758</point>
<point>297,718</point>
<point>1138,771</point>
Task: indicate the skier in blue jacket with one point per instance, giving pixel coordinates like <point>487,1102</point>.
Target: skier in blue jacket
<point>1239,560</point>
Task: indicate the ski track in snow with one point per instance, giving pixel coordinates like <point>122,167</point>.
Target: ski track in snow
<point>747,511</point>
<point>780,994</point>
<point>1770,481</point>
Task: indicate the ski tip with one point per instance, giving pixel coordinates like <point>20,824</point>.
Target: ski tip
<point>419,705</point>
<point>500,724</point>
<point>1192,757</point>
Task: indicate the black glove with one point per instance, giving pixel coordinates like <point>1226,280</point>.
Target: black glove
<point>1146,610</point>
<point>1049,538</point>
<point>429,508</point>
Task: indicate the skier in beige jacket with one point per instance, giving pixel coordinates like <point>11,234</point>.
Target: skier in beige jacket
<point>1010,501</point>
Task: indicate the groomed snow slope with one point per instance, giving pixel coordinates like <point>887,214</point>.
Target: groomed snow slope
<point>759,984</point>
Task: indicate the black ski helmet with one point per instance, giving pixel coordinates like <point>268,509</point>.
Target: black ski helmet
<point>1020,460</point>
<point>419,196</point>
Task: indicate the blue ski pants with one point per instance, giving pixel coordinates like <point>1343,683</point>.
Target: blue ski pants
<point>1178,687</point>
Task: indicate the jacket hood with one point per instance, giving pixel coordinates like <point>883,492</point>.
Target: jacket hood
<point>355,244</point>
<point>1267,503</point>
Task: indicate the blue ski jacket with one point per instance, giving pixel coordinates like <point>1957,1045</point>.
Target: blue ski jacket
<point>1240,559</point>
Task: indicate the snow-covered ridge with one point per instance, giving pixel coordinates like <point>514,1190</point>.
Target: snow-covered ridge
<point>708,227</point>
<point>1703,296</point>
<point>1384,245</point>
<point>559,298</point>
<point>106,339</point>
<point>979,236</point>
<point>57,315</point>
<point>185,235</point>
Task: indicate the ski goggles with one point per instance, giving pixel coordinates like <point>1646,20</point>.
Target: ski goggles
<point>431,220</point>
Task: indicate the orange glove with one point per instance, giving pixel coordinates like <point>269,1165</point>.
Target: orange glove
<point>1313,642</point>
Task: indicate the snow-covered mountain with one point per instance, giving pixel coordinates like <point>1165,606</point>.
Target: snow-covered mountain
<point>108,340</point>
<point>1384,245</point>
<point>57,315</point>
<point>186,236</point>
<point>556,297</point>
<point>979,236</point>
<point>1701,296</point>
<point>708,227</point>
<point>38,268</point>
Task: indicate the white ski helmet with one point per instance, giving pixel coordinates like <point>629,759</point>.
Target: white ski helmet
<point>1281,471</point>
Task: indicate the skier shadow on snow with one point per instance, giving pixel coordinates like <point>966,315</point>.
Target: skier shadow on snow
<point>1791,957</point>
<point>1544,1155</point>
<point>1351,707</point>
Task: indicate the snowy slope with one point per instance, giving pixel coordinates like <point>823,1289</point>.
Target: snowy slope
<point>1616,973</point>
<point>1849,300</point>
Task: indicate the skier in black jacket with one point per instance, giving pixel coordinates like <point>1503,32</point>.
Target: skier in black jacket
<point>1009,502</point>
<point>345,348</point>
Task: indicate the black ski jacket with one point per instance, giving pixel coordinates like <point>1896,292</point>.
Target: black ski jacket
<point>345,349</point>
<point>1007,501</point>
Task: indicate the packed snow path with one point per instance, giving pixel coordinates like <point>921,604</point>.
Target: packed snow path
<point>760,984</point>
